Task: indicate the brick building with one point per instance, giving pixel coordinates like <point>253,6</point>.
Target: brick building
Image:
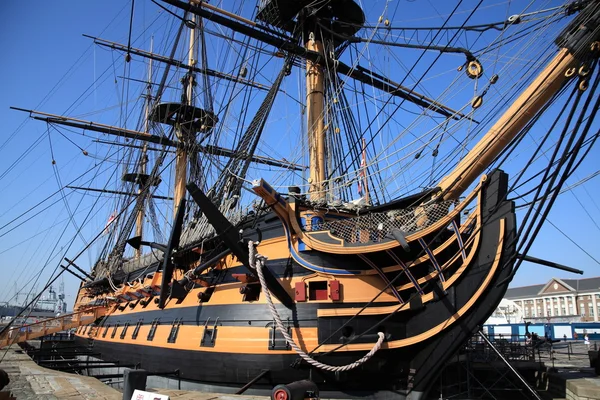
<point>559,300</point>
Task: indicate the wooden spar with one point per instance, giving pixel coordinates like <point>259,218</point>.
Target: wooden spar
<point>78,268</point>
<point>548,83</point>
<point>97,127</point>
<point>219,151</point>
<point>114,192</point>
<point>184,134</point>
<point>139,220</point>
<point>176,63</point>
<point>145,137</point>
<point>131,146</point>
<point>315,99</point>
<point>224,12</point>
<point>289,45</point>
<point>143,81</point>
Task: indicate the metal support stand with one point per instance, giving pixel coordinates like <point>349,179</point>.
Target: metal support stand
<point>133,379</point>
<point>532,390</point>
<point>253,381</point>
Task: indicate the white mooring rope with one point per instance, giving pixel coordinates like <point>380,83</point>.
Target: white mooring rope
<point>257,261</point>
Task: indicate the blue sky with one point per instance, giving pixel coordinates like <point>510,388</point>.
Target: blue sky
<point>48,64</point>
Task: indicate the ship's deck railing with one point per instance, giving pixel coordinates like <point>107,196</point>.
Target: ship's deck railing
<point>23,333</point>
<point>59,337</point>
<point>380,225</point>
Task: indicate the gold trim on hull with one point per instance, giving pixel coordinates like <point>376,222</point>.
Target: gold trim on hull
<point>431,332</point>
<point>309,240</point>
<point>348,312</point>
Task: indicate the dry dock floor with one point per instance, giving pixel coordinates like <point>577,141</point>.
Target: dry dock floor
<point>29,381</point>
<point>572,379</point>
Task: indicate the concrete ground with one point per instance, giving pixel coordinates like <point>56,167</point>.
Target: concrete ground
<point>570,375</point>
<point>572,378</point>
<point>30,381</point>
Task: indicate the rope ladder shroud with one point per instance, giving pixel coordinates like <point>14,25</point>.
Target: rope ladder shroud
<point>257,261</point>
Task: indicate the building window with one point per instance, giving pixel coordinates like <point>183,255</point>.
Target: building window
<point>571,309</point>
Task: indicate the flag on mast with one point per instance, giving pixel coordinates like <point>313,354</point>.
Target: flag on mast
<point>111,219</point>
<point>363,189</point>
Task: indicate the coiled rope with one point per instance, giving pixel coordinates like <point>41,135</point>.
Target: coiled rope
<point>257,261</point>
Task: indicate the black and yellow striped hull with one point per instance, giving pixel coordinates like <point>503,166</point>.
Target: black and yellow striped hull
<point>227,341</point>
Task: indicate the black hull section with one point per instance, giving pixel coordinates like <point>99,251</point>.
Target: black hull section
<point>434,353</point>
<point>230,370</point>
<point>408,370</point>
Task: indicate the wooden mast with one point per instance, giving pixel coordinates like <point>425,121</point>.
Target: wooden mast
<point>526,106</point>
<point>184,134</point>
<point>139,221</point>
<point>315,99</point>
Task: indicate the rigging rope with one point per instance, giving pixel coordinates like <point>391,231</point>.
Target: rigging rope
<point>238,166</point>
<point>565,167</point>
<point>257,262</point>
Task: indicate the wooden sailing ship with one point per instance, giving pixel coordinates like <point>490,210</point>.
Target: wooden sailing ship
<point>408,280</point>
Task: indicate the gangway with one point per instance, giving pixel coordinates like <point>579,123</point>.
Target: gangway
<point>23,333</point>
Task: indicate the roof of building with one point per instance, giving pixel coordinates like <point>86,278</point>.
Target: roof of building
<point>523,291</point>
<point>582,285</point>
<point>579,285</point>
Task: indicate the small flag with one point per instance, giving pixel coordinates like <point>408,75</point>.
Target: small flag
<point>362,174</point>
<point>111,219</point>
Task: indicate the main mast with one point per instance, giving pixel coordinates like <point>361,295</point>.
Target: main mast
<point>315,100</point>
<point>312,21</point>
<point>185,134</point>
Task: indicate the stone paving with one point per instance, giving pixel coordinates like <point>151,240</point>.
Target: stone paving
<point>567,355</point>
<point>572,377</point>
<point>30,381</point>
<point>187,395</point>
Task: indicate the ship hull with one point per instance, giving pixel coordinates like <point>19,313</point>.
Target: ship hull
<point>230,344</point>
